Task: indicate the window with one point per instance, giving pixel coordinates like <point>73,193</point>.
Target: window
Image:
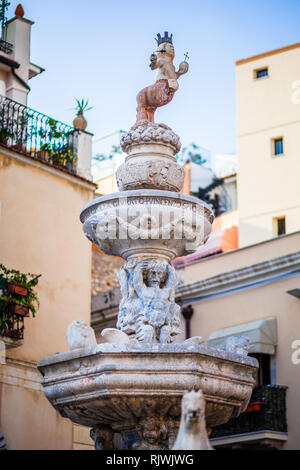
<point>261,73</point>
<point>279,226</point>
<point>278,146</point>
<point>264,371</point>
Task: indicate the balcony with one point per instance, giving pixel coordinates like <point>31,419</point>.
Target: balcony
<point>38,136</point>
<point>262,425</point>
<point>6,47</point>
<point>18,298</point>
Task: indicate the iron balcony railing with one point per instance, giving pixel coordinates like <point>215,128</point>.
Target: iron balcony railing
<point>266,412</point>
<point>11,325</point>
<point>36,135</point>
<point>6,47</point>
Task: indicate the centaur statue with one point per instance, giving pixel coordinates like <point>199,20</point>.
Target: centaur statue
<point>162,92</point>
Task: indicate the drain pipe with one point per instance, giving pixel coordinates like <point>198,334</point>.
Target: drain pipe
<point>187,313</point>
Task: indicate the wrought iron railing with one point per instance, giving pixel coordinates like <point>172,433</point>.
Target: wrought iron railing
<point>11,325</point>
<point>34,134</point>
<point>14,325</point>
<point>6,47</point>
<point>266,412</point>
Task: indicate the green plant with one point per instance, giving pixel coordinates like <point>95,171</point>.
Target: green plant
<point>82,105</point>
<point>3,325</point>
<point>5,134</point>
<point>59,153</point>
<point>4,4</point>
<point>116,149</point>
<point>29,281</point>
<point>191,153</point>
<point>50,132</point>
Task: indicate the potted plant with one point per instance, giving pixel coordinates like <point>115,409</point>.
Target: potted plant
<point>15,281</point>
<point>18,309</point>
<point>20,296</point>
<point>5,134</point>
<point>80,121</point>
<point>66,158</point>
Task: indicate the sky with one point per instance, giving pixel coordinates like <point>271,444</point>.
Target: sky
<point>99,50</point>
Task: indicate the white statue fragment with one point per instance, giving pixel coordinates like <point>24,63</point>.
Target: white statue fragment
<point>112,335</point>
<point>80,335</point>
<point>195,340</point>
<point>192,434</point>
<point>237,344</point>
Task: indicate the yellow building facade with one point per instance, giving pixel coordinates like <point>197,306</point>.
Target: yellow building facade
<point>40,232</point>
<point>268,121</point>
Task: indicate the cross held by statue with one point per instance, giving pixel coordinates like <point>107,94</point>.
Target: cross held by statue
<point>186,56</point>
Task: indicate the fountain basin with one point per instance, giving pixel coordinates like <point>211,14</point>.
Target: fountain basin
<point>119,385</point>
<point>147,223</point>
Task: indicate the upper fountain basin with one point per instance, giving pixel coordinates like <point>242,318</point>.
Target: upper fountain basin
<point>147,223</point>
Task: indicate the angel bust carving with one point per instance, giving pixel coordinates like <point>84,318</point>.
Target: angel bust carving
<point>162,92</point>
<point>148,312</point>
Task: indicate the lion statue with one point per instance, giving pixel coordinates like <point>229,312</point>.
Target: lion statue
<point>80,335</point>
<point>192,434</point>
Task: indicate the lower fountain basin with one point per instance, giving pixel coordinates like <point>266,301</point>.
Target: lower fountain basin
<point>119,385</point>
<point>147,223</point>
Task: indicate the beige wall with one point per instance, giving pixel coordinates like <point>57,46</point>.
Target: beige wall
<point>40,232</point>
<point>27,418</point>
<point>226,220</point>
<point>268,185</point>
<point>226,262</point>
<point>269,300</point>
<point>107,185</point>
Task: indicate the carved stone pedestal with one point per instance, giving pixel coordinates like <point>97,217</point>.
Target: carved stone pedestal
<point>118,389</point>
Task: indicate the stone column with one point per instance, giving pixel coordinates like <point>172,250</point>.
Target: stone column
<point>84,154</point>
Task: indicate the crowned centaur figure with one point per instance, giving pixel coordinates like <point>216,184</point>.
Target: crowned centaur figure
<point>162,92</point>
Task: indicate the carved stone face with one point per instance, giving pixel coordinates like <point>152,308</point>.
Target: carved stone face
<point>193,407</point>
<point>156,276</point>
<point>166,49</point>
<point>150,435</point>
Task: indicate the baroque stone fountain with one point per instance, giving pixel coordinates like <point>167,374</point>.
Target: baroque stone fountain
<point>129,388</point>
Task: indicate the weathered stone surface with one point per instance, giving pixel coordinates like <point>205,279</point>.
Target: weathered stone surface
<point>103,436</point>
<point>150,133</point>
<point>120,385</point>
<point>151,162</point>
<point>150,173</point>
<point>80,335</point>
<point>112,335</point>
<point>195,340</point>
<point>153,433</point>
<point>148,312</point>
<point>192,433</point>
<point>237,344</point>
<point>147,223</point>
